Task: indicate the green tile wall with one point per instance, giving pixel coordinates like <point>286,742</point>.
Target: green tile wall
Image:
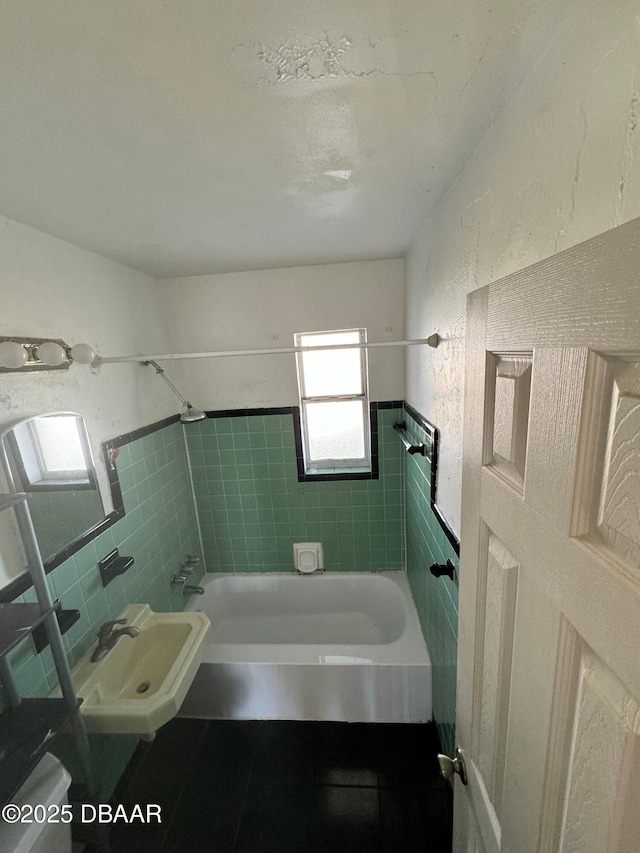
<point>436,598</point>
<point>252,508</point>
<point>158,530</point>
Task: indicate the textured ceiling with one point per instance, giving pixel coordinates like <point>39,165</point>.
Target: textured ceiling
<point>207,136</point>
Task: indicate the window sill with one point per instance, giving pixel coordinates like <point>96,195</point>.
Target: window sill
<point>356,469</point>
<point>332,474</point>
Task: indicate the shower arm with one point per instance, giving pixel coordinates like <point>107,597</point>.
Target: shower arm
<point>160,371</point>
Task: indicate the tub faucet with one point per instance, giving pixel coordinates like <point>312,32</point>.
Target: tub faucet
<point>192,590</point>
<point>108,636</point>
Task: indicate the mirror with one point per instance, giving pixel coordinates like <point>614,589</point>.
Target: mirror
<point>49,458</point>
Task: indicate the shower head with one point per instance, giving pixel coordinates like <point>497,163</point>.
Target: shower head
<point>190,414</point>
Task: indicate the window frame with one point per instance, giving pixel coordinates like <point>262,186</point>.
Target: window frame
<point>51,479</point>
<point>329,465</point>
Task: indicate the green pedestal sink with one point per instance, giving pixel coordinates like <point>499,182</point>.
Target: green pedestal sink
<point>141,683</point>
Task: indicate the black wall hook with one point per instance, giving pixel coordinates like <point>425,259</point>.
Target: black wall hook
<point>439,569</point>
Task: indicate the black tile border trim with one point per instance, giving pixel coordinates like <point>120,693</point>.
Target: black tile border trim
<point>373,474</point>
<point>434,434</point>
<point>134,435</point>
<point>294,411</point>
<point>23,582</point>
<point>248,413</point>
<point>389,404</point>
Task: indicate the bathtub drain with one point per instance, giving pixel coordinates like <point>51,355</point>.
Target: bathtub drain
<point>143,687</point>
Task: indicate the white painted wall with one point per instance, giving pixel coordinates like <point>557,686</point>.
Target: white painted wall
<point>264,309</point>
<point>51,288</point>
<point>559,165</point>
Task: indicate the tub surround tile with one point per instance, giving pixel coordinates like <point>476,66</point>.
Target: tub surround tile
<point>277,509</point>
<point>428,541</point>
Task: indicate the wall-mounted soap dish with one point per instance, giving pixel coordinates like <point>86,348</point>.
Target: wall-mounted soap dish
<point>113,565</point>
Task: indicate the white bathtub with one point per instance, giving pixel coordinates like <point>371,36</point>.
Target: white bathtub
<point>330,646</point>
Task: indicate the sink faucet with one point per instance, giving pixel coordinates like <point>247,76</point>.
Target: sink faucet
<point>108,636</point>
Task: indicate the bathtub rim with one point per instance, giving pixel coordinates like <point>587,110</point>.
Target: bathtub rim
<point>409,649</point>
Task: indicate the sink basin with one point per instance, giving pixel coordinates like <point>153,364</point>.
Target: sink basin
<point>141,683</point>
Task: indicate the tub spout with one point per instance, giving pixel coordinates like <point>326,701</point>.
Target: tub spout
<point>192,590</point>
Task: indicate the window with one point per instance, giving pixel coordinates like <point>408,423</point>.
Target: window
<point>52,452</point>
<point>334,401</point>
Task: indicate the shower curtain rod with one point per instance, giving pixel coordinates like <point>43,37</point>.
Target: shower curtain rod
<point>432,341</point>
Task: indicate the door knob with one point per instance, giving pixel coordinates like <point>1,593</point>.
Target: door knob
<point>449,766</point>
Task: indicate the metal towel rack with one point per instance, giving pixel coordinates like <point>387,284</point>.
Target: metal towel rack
<point>401,428</point>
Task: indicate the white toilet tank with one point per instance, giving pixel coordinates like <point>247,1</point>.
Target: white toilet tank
<point>46,786</point>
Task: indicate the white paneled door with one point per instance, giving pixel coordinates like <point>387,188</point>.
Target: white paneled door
<point>549,638</point>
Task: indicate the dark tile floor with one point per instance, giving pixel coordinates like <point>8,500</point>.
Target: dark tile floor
<point>274,787</point>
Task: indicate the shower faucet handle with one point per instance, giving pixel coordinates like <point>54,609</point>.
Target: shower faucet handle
<point>191,561</point>
<point>184,569</point>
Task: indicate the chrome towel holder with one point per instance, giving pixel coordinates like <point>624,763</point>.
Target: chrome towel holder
<point>401,428</point>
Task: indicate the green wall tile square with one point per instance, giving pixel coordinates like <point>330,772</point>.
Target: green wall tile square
<point>288,439</point>
<point>256,440</point>
<point>260,471</point>
<point>222,425</point>
<point>225,442</point>
<point>227,459</point>
<point>243,441</point>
